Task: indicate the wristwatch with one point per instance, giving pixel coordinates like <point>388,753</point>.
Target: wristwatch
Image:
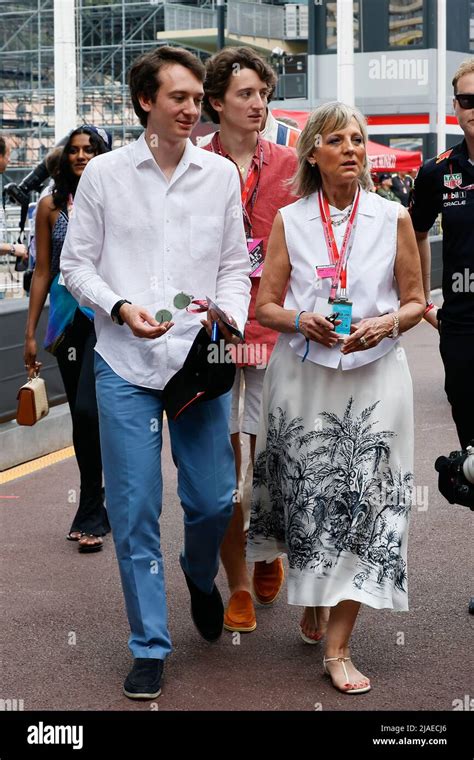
<point>115,313</point>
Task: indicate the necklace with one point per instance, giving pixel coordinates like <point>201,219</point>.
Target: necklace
<point>337,222</point>
<point>245,165</point>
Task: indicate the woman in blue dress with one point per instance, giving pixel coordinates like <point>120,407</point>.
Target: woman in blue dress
<point>70,334</point>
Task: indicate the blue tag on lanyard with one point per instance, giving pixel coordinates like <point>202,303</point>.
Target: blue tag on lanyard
<point>343,308</point>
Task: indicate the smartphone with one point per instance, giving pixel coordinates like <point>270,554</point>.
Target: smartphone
<point>234,330</point>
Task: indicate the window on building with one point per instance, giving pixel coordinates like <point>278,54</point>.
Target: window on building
<point>471,27</point>
<point>407,143</point>
<point>405,22</point>
<point>331,25</point>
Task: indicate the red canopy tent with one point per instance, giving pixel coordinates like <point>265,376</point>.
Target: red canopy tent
<point>382,158</point>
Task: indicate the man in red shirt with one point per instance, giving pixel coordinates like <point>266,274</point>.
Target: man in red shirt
<point>238,83</point>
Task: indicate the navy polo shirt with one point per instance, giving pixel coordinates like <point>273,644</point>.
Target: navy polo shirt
<point>446,184</point>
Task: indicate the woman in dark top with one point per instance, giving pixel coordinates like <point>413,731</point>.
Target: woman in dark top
<point>70,334</point>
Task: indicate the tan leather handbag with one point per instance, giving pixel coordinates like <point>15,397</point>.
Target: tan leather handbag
<point>32,402</point>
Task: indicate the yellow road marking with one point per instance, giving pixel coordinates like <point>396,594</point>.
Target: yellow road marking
<point>36,464</point>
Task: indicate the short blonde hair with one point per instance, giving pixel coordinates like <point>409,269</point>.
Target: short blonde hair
<point>326,118</point>
<point>466,67</point>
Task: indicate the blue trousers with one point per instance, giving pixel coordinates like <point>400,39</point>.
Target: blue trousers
<point>131,423</point>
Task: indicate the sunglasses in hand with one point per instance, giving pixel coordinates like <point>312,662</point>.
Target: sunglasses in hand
<point>465,101</point>
<point>181,301</point>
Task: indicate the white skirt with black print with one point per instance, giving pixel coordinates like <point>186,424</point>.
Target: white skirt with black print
<point>333,478</point>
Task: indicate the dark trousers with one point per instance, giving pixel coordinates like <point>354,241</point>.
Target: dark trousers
<point>457,353</point>
<point>75,356</point>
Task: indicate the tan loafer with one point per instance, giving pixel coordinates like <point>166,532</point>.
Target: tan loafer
<point>240,613</point>
<point>268,580</point>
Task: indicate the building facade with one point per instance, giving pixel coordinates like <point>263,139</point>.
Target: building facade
<point>109,35</point>
<point>395,56</point>
<point>395,61</point>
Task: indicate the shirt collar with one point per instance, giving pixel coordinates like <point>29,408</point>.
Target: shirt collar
<point>142,153</point>
<point>217,148</point>
<point>366,205</point>
<point>271,125</point>
<point>461,152</point>
<point>266,150</point>
<point>461,148</point>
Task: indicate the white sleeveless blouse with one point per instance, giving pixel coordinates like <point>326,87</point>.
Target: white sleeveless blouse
<point>371,283</point>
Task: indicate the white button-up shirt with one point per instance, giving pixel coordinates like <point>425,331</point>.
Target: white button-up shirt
<point>135,235</point>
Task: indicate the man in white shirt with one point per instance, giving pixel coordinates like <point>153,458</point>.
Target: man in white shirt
<point>157,224</point>
<point>14,249</point>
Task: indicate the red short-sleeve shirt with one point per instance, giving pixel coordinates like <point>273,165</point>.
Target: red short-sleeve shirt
<point>279,165</point>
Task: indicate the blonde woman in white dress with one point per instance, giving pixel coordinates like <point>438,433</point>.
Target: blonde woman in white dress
<point>334,454</point>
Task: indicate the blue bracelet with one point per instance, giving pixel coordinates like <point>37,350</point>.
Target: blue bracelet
<point>297,328</point>
<point>297,320</point>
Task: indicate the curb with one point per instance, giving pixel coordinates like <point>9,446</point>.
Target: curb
<point>20,444</point>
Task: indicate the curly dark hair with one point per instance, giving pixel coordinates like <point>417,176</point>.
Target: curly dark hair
<point>221,66</point>
<point>144,75</point>
<point>65,181</point>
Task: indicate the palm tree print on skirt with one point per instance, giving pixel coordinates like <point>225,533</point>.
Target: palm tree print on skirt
<point>332,499</point>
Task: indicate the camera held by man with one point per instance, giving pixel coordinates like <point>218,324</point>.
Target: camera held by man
<point>456,476</point>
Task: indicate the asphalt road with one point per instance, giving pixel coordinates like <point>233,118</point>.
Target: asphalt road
<point>64,631</point>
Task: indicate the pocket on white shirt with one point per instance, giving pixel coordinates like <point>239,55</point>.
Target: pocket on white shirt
<point>205,236</point>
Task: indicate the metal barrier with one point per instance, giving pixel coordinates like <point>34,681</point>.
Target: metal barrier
<point>11,282</point>
<point>13,313</point>
<point>183,17</point>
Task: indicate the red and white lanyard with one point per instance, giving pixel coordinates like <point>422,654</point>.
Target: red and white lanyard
<point>338,258</point>
<point>250,188</point>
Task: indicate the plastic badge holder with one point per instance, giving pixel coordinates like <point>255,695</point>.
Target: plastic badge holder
<point>344,308</point>
<point>255,249</point>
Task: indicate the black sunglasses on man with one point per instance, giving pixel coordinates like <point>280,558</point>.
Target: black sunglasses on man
<point>465,101</point>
